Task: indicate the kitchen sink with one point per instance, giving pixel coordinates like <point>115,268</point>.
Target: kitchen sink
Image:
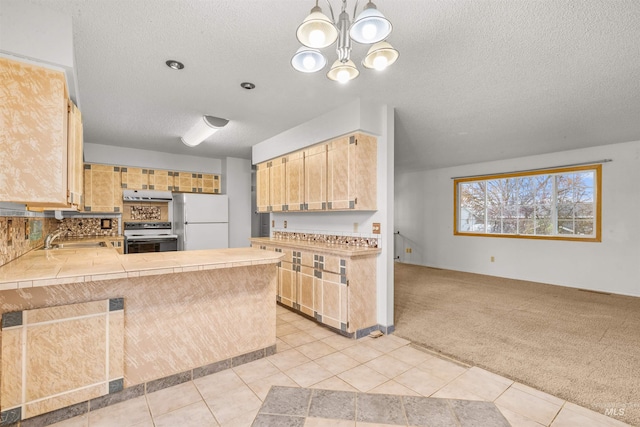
<point>78,245</point>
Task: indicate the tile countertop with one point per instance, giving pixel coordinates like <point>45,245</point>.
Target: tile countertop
<point>60,266</point>
<point>333,249</point>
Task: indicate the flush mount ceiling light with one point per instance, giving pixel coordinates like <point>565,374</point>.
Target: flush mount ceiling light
<point>174,65</point>
<point>318,31</point>
<point>203,129</point>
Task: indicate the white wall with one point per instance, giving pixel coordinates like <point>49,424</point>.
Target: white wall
<point>237,179</point>
<point>424,217</point>
<point>374,119</point>
<point>39,34</point>
<point>108,154</point>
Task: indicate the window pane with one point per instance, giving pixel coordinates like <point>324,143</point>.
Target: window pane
<point>545,204</point>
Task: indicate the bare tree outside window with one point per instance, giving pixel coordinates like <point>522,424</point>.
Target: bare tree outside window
<point>560,202</point>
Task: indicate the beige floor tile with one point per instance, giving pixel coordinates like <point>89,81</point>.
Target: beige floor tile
<point>289,316</point>
<point>528,405</point>
<point>233,404</point>
<point>281,310</point>
<point>388,366</point>
<point>481,383</point>
<point>172,398</point>
<point>442,368</point>
<point>298,339</point>
<point>288,359</point>
<point>304,324</point>
<point>339,342</point>
<point>316,349</point>
<point>491,376</point>
<point>419,381</point>
<point>147,423</point>
<point>517,420</point>
<point>542,395</point>
<point>362,353</point>
<point>244,420</point>
<point>334,383</point>
<point>195,415</point>
<point>319,332</point>
<point>123,414</point>
<point>337,362</point>
<point>255,370</point>
<point>79,421</point>
<point>363,378</point>
<point>325,422</point>
<point>218,384</point>
<point>598,417</point>
<point>281,345</point>
<point>393,387</point>
<point>384,344</point>
<point>456,391</point>
<point>410,355</point>
<point>361,424</point>
<point>262,386</point>
<point>399,340</point>
<point>285,329</point>
<point>308,374</point>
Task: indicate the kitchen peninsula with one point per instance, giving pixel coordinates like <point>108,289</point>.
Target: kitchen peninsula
<point>186,314</point>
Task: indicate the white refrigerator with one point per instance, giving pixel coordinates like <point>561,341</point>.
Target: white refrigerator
<point>201,221</point>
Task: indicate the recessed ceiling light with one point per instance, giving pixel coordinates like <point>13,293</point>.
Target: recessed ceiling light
<point>247,85</point>
<point>176,65</point>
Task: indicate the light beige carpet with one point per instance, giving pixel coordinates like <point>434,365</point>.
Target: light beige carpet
<point>578,345</point>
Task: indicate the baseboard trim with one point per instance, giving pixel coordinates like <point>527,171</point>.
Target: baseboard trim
<point>140,390</point>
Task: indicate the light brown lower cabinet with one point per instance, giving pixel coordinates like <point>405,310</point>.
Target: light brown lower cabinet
<point>336,290</point>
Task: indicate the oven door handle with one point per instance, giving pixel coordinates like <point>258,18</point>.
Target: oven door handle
<point>152,241</point>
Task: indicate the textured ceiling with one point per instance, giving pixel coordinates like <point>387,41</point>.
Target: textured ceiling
<point>476,80</point>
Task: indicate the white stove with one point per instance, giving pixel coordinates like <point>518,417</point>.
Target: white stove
<point>149,237</point>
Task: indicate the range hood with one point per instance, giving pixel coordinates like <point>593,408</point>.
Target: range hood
<point>146,196</point>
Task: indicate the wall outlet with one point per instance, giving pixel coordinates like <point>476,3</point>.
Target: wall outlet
<point>273,223</point>
<point>285,224</point>
<point>493,259</point>
<point>376,228</point>
<point>355,227</point>
<point>408,250</point>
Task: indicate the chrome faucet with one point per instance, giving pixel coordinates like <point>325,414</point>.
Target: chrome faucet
<point>51,237</point>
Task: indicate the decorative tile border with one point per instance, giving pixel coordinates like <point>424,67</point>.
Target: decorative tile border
<point>290,406</point>
<point>134,391</point>
<point>346,239</point>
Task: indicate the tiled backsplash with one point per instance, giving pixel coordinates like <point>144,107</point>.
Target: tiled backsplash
<point>86,227</point>
<point>19,235</point>
<point>344,239</point>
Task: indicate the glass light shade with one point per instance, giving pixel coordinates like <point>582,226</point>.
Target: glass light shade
<point>202,130</point>
<point>308,60</point>
<point>317,30</point>
<point>370,26</point>
<point>342,72</point>
<point>380,56</point>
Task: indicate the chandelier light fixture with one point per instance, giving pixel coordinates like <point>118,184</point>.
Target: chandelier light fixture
<point>318,31</point>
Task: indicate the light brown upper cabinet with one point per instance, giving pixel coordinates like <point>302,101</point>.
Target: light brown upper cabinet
<point>102,188</point>
<point>210,184</point>
<point>34,148</point>
<point>351,173</point>
<point>75,164</point>
<point>337,175</point>
<point>315,178</point>
<point>160,180</point>
<point>294,181</point>
<point>277,184</point>
<point>262,187</point>
<point>134,178</point>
